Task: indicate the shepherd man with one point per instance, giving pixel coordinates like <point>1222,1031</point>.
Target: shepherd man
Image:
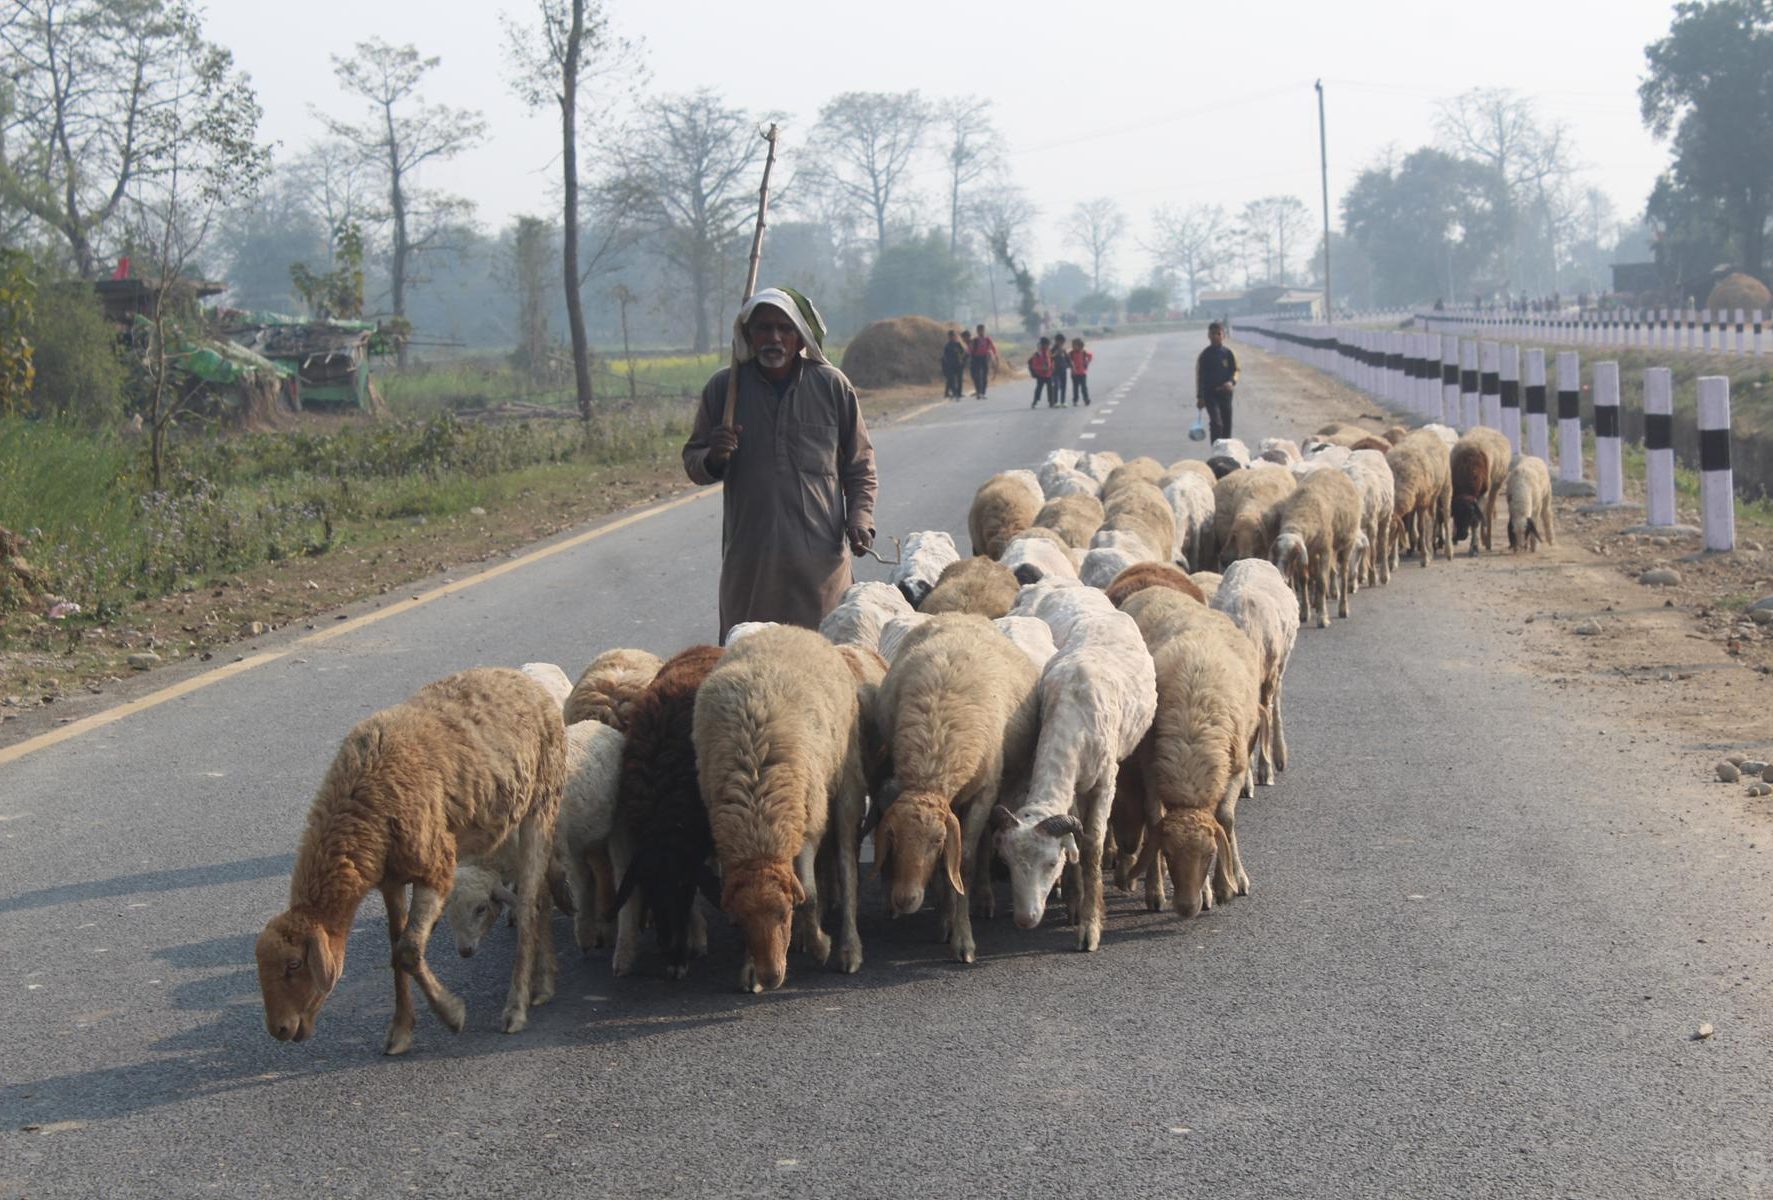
<point>796,467</point>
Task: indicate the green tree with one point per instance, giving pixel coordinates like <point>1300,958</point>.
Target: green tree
<point>80,375</point>
<point>861,154</point>
<point>1432,226</point>
<point>18,308</point>
<point>1710,85</point>
<point>916,276</point>
<point>1149,300</point>
<point>336,294</point>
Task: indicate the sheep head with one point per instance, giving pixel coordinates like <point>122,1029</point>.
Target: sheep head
<point>916,832</point>
<point>1036,849</point>
<point>1244,539</point>
<point>667,877</point>
<point>1191,841</point>
<point>1467,516</point>
<point>300,962</point>
<point>473,906</point>
<point>1291,555</point>
<point>761,897</point>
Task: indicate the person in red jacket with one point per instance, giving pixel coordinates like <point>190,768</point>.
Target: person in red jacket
<point>983,350</point>
<point>1040,365</point>
<point>1080,372</point>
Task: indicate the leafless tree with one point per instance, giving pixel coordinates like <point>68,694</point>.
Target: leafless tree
<point>970,152</point>
<point>1191,244</point>
<point>684,175</point>
<point>861,152</point>
<point>1094,227</point>
<point>1004,215</point>
<point>402,134</point>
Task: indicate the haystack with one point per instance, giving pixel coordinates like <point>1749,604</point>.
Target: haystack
<point>1739,291</point>
<point>900,350</point>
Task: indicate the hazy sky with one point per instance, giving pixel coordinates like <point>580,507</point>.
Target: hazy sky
<point>1146,102</point>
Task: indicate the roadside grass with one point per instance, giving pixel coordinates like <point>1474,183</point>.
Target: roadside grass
<point>1753,514</point>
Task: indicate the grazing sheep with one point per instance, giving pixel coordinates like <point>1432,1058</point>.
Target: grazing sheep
<point>1449,437</point>
<point>1103,563</point>
<point>1073,517</point>
<point>1396,433</point>
<point>869,668</point>
<point>1059,460</point>
<point>466,763</point>
<point>1222,465</point>
<point>862,613</point>
<point>892,638</point>
<point>1378,444</point>
<point>1326,454</point>
<point>1060,605</point>
<point>1001,509</point>
<point>1191,505</point>
<point>1479,466</point>
<point>1031,635</point>
<point>1029,481</point>
<point>1372,477</point>
<point>1142,469</point>
<point>554,681</point>
<point>747,628</point>
<point>1312,538</point>
<point>1240,504</point>
<point>580,853</point>
<point>1140,576</point>
<point>1195,762</point>
<point>1135,541</point>
<point>1232,448</point>
<point>610,685</point>
<point>1529,505</point>
<point>1043,534</point>
<point>1070,483</point>
<point>1208,581</point>
<point>1256,597</point>
<point>1161,613</point>
<point>1333,427</point>
<point>926,554</point>
<point>1034,559</point>
<point>1189,466</point>
<point>779,758</point>
<point>1099,466</point>
<point>1142,508</point>
<point>977,585</point>
<point>1346,437</point>
<point>1288,449</point>
<point>1422,483</point>
<point>1097,698</point>
<point>960,715</point>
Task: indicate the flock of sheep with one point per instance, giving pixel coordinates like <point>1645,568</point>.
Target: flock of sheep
<point>1068,700</point>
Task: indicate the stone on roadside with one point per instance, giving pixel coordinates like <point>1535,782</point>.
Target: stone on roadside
<point>1752,766</point>
<point>1736,756</point>
<point>142,660</point>
<point>1761,616</point>
<point>254,629</point>
<point>477,511</point>
<point>1588,628</point>
<point>1764,604</point>
<point>1572,487</point>
<point>1728,772</point>
<point>1660,577</point>
<point>1758,790</point>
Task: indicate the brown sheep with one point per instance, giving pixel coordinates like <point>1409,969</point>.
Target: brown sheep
<point>465,763</point>
<point>1396,433</point>
<point>1421,471</point>
<point>1140,576</point>
<point>1142,508</point>
<point>1336,427</point>
<point>1074,518</point>
<point>1241,501</point>
<point>1479,466</point>
<point>610,686</point>
<point>779,757</point>
<point>977,585</point>
<point>1002,508</point>
<point>1371,443</point>
<point>1141,469</point>
<point>1312,535</point>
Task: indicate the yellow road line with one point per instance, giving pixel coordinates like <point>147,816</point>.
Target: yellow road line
<point>198,682</point>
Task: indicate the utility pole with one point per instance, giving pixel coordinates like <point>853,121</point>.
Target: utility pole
<point>1323,158</point>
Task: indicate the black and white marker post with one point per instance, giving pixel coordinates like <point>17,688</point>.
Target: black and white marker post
<point>1609,469</point>
<point>1659,460</point>
<point>1569,416</point>
<point>1468,385</point>
<point>1538,435</point>
<point>1449,380</point>
<point>1490,384</point>
<point>1717,487</point>
<point>1511,395</point>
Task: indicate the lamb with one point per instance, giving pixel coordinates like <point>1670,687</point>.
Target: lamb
<point>1372,477</point>
<point>926,554</point>
<point>1479,466</point>
<point>1240,503</point>
<point>1312,534</point>
<point>1103,563</point>
<point>1001,509</point>
<point>779,759</point>
<point>1140,576</point>
<point>660,843</point>
<point>892,638</point>
<point>1191,505</point>
<point>1034,559</point>
<point>553,680</point>
<point>610,685</point>
<point>861,613</point>
<point>1256,597</point>
<point>1142,508</point>
<point>1208,581</point>
<point>1232,448</point>
<point>1143,469</point>
<point>1529,505</point>
<point>960,712</point>
<point>1423,492</point>
<point>1097,699</point>
<point>1195,761</point>
<point>976,585</point>
<point>1073,517</point>
<point>1031,635</point>
<point>466,763</point>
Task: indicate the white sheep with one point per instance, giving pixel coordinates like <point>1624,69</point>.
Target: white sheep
<point>1286,447</point>
<point>1032,635</point>
<point>1191,501</point>
<point>862,613</point>
<point>747,628</point>
<point>1528,488</point>
<point>1060,604</point>
<point>1102,564</point>
<point>1035,559</point>
<point>1255,596</point>
<point>925,555</point>
<point>1098,695</point>
<point>555,681</point>
<point>1133,541</point>
<point>1100,465</point>
<point>1029,480</point>
<point>1059,460</point>
<point>1328,453</point>
<point>1232,448</point>
<point>1445,433</point>
<point>1070,483</point>
<point>893,635</point>
<point>1372,477</point>
<point>1207,581</point>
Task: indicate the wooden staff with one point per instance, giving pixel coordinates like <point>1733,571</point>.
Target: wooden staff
<point>763,208</point>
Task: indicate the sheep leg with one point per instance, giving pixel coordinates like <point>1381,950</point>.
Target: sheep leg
<point>1276,732</point>
<point>1098,804</point>
<point>1230,878</point>
<point>602,899</point>
<point>983,900</point>
<point>621,855</point>
<point>1344,584</point>
<point>813,938</point>
<point>532,856</point>
<point>409,956</point>
<point>400,1028</point>
<point>974,818</point>
<point>544,974</point>
<point>589,910</point>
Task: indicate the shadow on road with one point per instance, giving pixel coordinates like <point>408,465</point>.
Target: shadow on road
<point>152,881</point>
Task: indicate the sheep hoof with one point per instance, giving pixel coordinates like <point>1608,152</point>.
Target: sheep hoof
<point>1089,938</point>
<point>516,1018</point>
<point>966,952</point>
<point>406,957</point>
<point>399,1041</point>
<point>850,960</point>
<point>819,947</point>
<point>452,1012</point>
<point>542,994</point>
<point>748,980</point>
<point>676,970</point>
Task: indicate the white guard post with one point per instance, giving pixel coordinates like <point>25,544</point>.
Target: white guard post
<point>1609,473</point>
<point>1538,435</point>
<point>1659,464</point>
<point>1569,415</point>
<point>1717,490</point>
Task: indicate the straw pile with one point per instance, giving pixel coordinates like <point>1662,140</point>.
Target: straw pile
<point>901,350</point>
<point>1739,291</point>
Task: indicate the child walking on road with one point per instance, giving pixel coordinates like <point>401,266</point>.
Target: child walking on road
<point>1061,367</point>
<point>1040,365</point>
<point>1080,372</point>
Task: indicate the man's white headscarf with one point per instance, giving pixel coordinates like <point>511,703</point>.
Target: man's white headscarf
<point>798,309</point>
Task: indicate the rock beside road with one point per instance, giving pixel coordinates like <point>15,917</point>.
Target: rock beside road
<point>1572,487</point>
<point>1588,628</point>
<point>1728,772</point>
<point>142,660</point>
<point>1660,577</point>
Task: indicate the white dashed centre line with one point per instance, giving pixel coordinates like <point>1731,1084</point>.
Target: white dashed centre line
<point>1086,436</point>
<point>1100,421</point>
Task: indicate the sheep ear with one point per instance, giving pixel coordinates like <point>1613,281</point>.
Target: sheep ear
<point>323,966</point>
<point>883,849</point>
<point>951,848</point>
<point>799,889</point>
<point>1061,825</point>
<point>1002,818</point>
<point>504,895</point>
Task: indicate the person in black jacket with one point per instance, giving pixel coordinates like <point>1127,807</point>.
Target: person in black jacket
<point>1215,378</point>
<point>954,365</point>
<point>1061,368</point>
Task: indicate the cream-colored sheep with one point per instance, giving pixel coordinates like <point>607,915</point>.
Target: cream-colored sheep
<point>1001,509</point>
<point>1073,517</point>
<point>1285,447</point>
<point>556,682</point>
<point>1143,469</point>
<point>1191,504</point>
<point>747,628</point>
<point>977,585</point>
<point>1103,563</point>
<point>1312,535</point>
<point>1031,635</point>
<point>892,638</point>
<point>1029,481</point>
<point>1069,483</point>
<point>779,755</point>
<point>1241,502</point>
<point>1034,559</point>
<point>1099,465</point>
<point>1232,448</point>
<point>862,613</point>
<point>1208,581</point>
<point>1142,508</point>
<point>1255,596</point>
<point>1422,478</point>
<point>1061,604</point>
<point>926,554</point>
<point>1372,477</point>
<point>610,685</point>
<point>1529,505</point>
<point>1189,466</point>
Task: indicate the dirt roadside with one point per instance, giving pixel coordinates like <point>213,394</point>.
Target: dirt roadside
<point>1678,665</point>
<point>49,678</point>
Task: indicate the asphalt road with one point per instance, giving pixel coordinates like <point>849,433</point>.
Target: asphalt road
<point>1481,937</point>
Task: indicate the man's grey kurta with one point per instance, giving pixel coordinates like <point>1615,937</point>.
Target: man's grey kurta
<point>803,474</point>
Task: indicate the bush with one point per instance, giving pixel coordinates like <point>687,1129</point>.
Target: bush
<point>1147,301</point>
<point>80,375</point>
<point>1097,304</point>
